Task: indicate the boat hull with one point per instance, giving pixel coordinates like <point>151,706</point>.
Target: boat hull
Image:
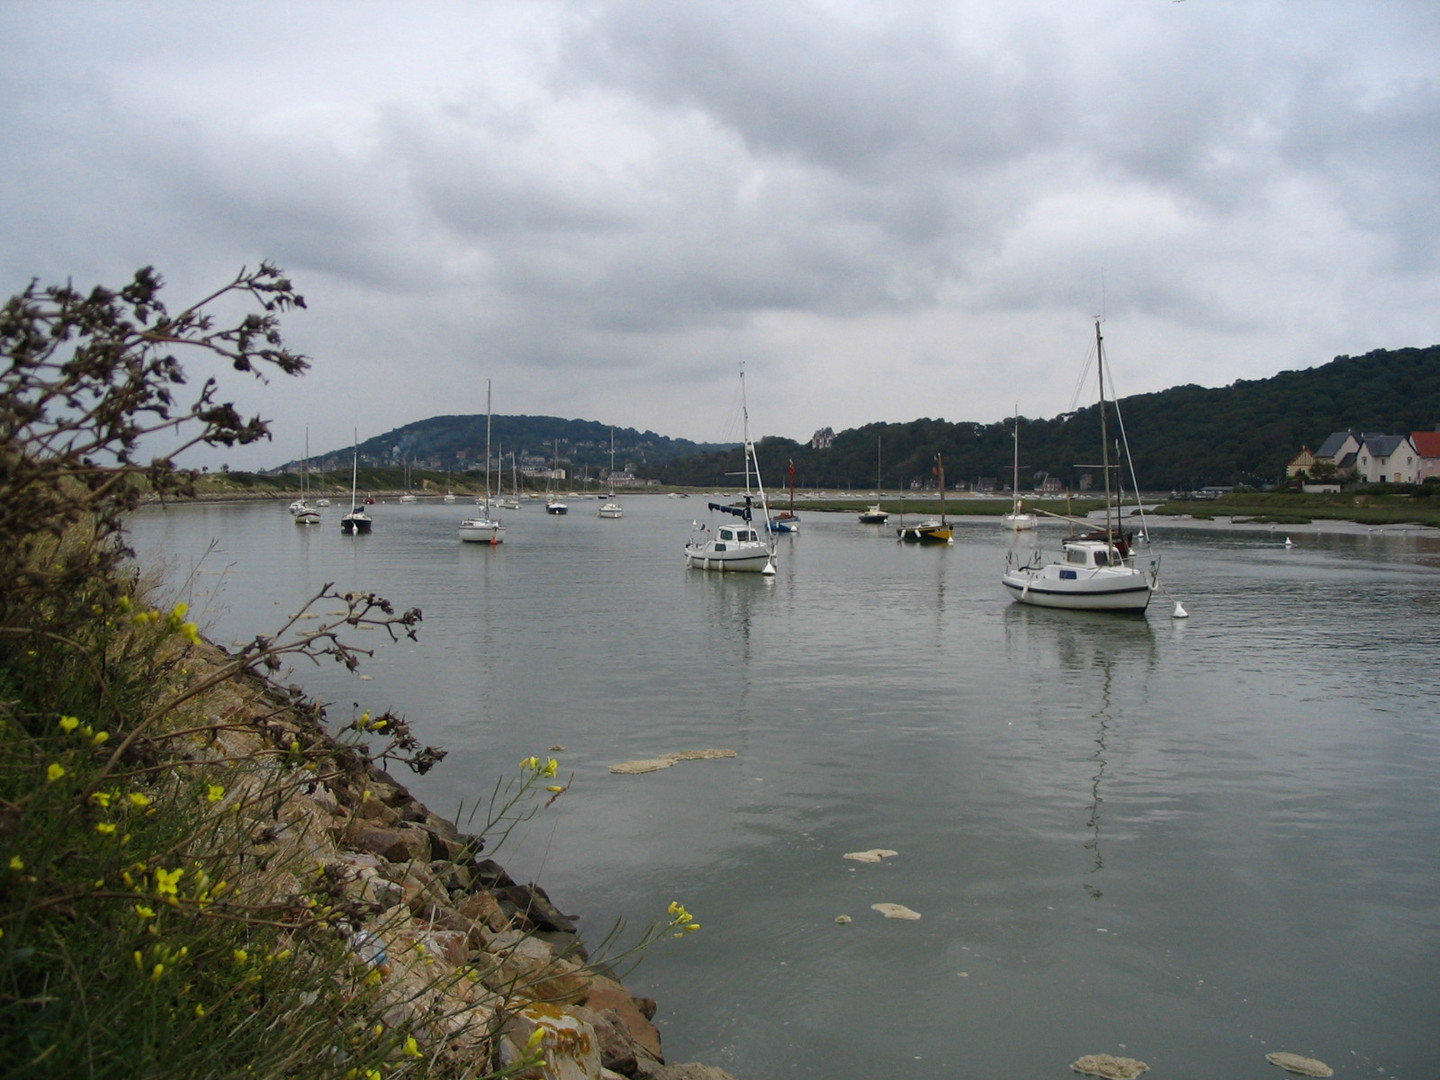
<point>874,516</point>
<point>481,531</point>
<point>745,558</point>
<point>356,523</point>
<point>927,532</point>
<point>1118,588</point>
<point>1018,522</point>
<point>307,516</point>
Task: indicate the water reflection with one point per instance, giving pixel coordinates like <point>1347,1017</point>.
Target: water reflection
<point>1103,721</point>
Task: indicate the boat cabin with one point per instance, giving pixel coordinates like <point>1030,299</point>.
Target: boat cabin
<point>730,534</point>
<point>1089,554</point>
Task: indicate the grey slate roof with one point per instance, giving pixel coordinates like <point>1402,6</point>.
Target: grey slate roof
<point>1331,446</point>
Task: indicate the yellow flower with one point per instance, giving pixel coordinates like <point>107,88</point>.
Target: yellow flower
<point>555,787</point>
<point>105,827</point>
<point>54,772</point>
<point>191,632</point>
<point>144,912</point>
<point>101,738</point>
<point>530,764</point>
<point>69,723</point>
<point>167,880</point>
<point>411,1048</point>
<point>158,971</point>
<point>550,768</point>
<point>102,798</point>
<point>199,1011</point>
<point>241,956</point>
<point>214,793</point>
<point>17,863</point>
<point>139,799</point>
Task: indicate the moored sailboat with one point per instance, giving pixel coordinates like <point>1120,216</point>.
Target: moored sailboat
<point>357,520</point>
<point>931,530</point>
<point>873,515</point>
<point>737,547</point>
<point>610,508</point>
<point>484,529</point>
<point>1017,520</point>
<point>1095,571</point>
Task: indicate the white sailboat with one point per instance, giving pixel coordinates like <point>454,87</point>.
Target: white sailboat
<point>300,509</point>
<point>738,547</point>
<point>483,529</point>
<point>553,503</point>
<point>610,508</point>
<point>1017,520</point>
<point>513,502</point>
<point>357,520</point>
<point>1095,571</point>
<point>409,496</point>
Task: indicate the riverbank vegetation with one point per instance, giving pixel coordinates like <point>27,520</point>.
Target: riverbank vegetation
<point>173,902</point>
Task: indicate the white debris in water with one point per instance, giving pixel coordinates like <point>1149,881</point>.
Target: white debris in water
<point>873,855</point>
<point>664,761</point>
<point>1109,1066</point>
<point>895,911</point>
<point>1301,1065</point>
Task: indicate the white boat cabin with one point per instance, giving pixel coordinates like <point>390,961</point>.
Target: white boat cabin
<point>1092,554</point>
<point>730,534</point>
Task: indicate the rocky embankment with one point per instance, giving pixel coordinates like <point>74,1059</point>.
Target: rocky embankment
<point>458,950</point>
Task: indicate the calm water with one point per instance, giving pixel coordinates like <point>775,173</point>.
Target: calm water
<point>1189,841</point>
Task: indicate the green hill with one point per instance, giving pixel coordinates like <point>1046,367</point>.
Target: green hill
<point>1183,438</point>
<point>458,442</point>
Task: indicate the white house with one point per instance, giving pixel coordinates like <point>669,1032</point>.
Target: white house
<point>1387,459</point>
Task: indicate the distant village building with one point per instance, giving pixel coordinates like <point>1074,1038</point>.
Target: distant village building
<point>1427,449</point>
<point>1338,451</point>
<point>1387,459</point>
<point>822,439</point>
<point>1051,485</point>
<point>1301,463</point>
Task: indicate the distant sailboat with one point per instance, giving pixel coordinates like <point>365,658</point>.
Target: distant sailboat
<point>932,530</point>
<point>483,529</point>
<point>357,520</point>
<point>1017,520</point>
<point>303,512</point>
<point>873,515</point>
<point>610,508</point>
<point>553,503</point>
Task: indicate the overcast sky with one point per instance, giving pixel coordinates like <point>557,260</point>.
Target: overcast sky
<point>886,210</point>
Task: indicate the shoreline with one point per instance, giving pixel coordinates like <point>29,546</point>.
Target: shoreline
<point>488,967</point>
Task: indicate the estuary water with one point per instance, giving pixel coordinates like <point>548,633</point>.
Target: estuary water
<point>1190,841</point>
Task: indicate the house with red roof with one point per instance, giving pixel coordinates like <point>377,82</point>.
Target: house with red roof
<point>1427,449</point>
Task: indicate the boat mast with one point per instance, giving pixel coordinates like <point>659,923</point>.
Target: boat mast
<point>940,471</point>
<point>487,448</point>
<point>749,454</point>
<point>1104,435</point>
